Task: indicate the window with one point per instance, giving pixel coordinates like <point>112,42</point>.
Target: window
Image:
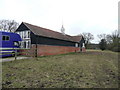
<point>23,34</point>
<point>28,44</point>
<point>25,44</point>
<point>76,44</point>
<point>5,38</point>
<point>28,34</point>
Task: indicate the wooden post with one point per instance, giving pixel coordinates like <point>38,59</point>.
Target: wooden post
<point>36,47</point>
<point>15,54</point>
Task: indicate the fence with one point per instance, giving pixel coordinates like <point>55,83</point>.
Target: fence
<point>12,51</point>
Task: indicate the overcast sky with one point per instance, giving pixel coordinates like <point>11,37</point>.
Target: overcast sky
<point>78,16</point>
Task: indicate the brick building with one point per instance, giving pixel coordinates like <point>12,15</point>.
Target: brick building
<point>41,41</point>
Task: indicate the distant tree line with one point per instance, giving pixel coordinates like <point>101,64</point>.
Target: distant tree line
<point>110,41</point>
<point>107,41</point>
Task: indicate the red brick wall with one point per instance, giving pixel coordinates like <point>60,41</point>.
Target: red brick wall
<point>43,50</point>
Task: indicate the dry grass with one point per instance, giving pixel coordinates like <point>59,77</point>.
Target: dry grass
<point>93,69</point>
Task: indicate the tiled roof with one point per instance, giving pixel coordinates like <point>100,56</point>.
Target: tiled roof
<point>51,34</point>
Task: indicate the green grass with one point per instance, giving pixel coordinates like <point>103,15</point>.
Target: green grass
<point>92,69</point>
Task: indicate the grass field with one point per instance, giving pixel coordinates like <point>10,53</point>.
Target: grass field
<point>92,69</point>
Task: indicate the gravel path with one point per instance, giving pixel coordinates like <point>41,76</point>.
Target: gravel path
<point>12,58</point>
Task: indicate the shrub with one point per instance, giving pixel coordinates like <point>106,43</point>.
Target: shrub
<point>102,44</point>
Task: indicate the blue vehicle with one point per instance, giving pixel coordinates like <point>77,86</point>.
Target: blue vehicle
<point>8,43</point>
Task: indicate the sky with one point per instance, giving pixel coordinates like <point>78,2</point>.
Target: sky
<point>77,16</point>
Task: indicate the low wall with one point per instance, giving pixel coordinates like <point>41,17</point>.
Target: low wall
<point>44,50</point>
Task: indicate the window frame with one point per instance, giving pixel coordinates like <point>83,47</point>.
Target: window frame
<point>26,40</point>
<point>6,38</point>
<point>76,44</point>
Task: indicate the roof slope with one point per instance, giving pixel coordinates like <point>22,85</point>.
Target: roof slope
<point>51,34</point>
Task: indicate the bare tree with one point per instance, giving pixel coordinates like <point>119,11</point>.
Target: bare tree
<point>102,36</point>
<point>105,37</point>
<point>109,39</point>
<point>8,25</point>
<point>112,40</point>
<point>115,35</point>
<point>114,43</point>
<point>88,37</point>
